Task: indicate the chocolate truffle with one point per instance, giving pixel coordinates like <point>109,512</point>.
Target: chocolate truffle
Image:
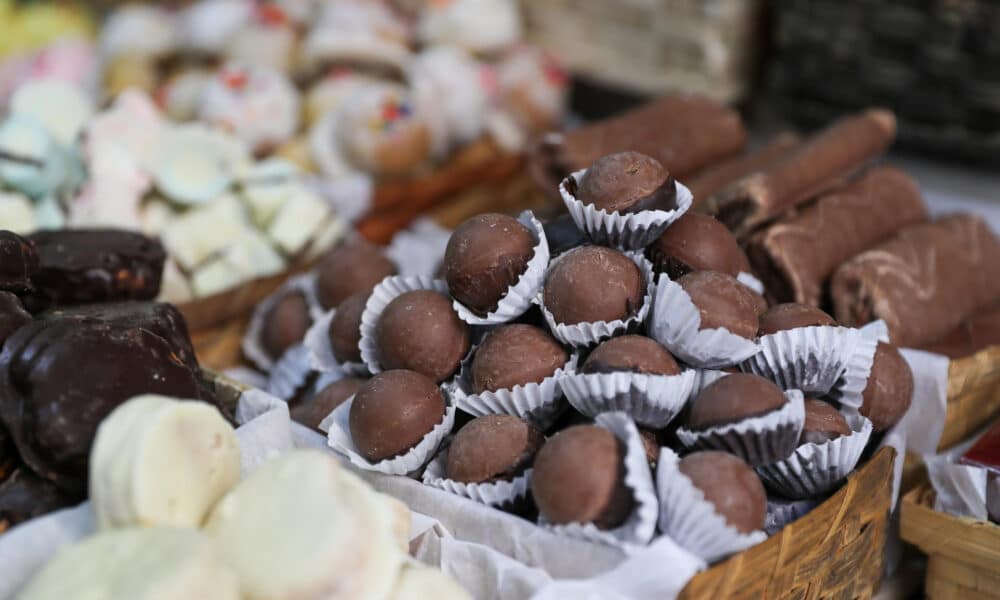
<point>650,445</point>
<point>697,242</point>
<point>393,411</point>
<point>12,315</point>
<point>889,389</point>
<point>632,353</point>
<point>18,262</point>
<point>593,283</point>
<point>823,423</point>
<point>579,477</point>
<point>626,182</point>
<point>514,355</point>
<point>345,328</point>
<point>730,485</point>
<point>733,398</point>
<point>352,267</point>
<point>562,234</point>
<point>419,330</point>
<point>485,256</point>
<point>493,448</point>
<point>722,301</point>
<point>312,412</point>
<point>791,315</point>
<point>285,324</point>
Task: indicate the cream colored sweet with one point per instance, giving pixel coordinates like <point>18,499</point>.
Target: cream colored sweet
<point>180,96</point>
<point>191,237</point>
<point>132,121</point>
<point>420,583</point>
<point>247,256</point>
<point>357,32</point>
<point>194,164</point>
<point>302,214</point>
<point>450,90</point>
<point>16,213</point>
<point>330,92</point>
<point>481,26</point>
<point>139,30</point>
<point>208,25</point>
<point>532,88</point>
<point>60,106</point>
<point>113,192</point>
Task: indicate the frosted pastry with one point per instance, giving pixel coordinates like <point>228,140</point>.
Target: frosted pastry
<point>483,26</point>
<point>180,96</point>
<point>418,583</point>
<point>449,88</point>
<point>139,30</point>
<point>207,25</point>
<point>532,89</point>
<point>357,32</point>
<point>269,40</point>
<point>60,106</point>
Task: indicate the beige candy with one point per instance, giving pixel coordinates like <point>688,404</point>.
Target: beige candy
<point>158,461</point>
<point>298,220</point>
<point>419,583</point>
<point>194,236</point>
<point>136,564</point>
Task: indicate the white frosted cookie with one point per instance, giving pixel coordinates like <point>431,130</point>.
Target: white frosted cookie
<point>417,582</point>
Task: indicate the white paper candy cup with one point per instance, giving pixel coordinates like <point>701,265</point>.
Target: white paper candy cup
<point>339,438</point>
<point>252,347</point>
<point>640,526</point>
<point>384,293</point>
<point>587,334</point>
<point>750,281</point>
<point>675,323</point>
<point>631,231</point>
<point>497,493</point>
<point>319,352</point>
<point>853,381</point>
<point>814,469</point>
<point>811,359</point>
<point>758,440</point>
<point>782,512</point>
<point>520,296</point>
<point>418,249</point>
<point>692,521</point>
<point>290,373</point>
<point>651,400</point>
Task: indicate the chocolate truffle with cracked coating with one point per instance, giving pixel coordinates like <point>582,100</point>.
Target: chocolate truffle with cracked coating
<point>722,301</point>
<point>791,315</point>
<point>312,412</point>
<point>823,423</point>
<point>730,485</point>
<point>419,330</point>
<point>285,324</point>
<point>697,242</point>
<point>514,355</point>
<point>392,412</point>
<point>345,328</point>
<point>627,182</point>
<point>493,448</point>
<point>734,398</point>
<point>889,390</point>
<point>593,283</point>
<point>352,267</point>
<point>631,353</point>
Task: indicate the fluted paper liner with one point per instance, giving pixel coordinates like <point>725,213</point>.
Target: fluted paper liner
<point>319,351</point>
<point>640,526</point>
<point>496,493</point>
<point>289,373</point>
<point>632,231</point>
<point>692,521</point>
<point>587,334</point>
<point>676,322</point>
<point>814,469</point>
<point>651,400</point>
<point>853,381</point>
<point>782,512</point>
<point>811,359</point>
<point>252,347</point>
<point>520,296</point>
<point>384,293</point>
<point>757,440</point>
<point>338,437</point>
<point>750,281</point>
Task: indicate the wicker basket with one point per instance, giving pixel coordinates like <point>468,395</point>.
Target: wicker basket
<point>973,395</point>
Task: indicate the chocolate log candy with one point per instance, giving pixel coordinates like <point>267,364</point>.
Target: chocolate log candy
<point>514,355</point>
<point>923,282</point>
<point>730,486</point>
<point>311,412</point>
<point>486,255</point>
<point>817,165</point>
<point>345,328</point>
<point>717,176</point>
<point>889,390</point>
<point>562,234</point>
<point>734,398</point>
<point>722,301</point>
<point>392,412</point>
<point>591,284</point>
<point>419,330</point>
<point>626,182</point>
<point>12,315</point>
<point>285,324</point>
<point>352,267</point>
<point>979,331</point>
<point>24,496</point>
<point>823,423</point>
<point>579,477</point>
<point>631,353</point>
<point>697,242</point>
<point>796,255</point>
<point>77,266</point>
<point>493,448</point>
<point>18,262</point>
<point>782,317</point>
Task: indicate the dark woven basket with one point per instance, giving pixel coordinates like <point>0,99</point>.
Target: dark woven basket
<point>935,62</point>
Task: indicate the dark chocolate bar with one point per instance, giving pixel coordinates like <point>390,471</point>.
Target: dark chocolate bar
<point>24,496</point>
<point>18,262</point>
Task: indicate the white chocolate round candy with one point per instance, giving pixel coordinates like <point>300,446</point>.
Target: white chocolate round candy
<point>157,461</point>
<point>419,583</point>
<point>159,563</point>
<point>60,106</point>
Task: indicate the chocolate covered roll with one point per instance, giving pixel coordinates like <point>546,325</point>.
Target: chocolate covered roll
<point>717,176</point>
<point>923,282</point>
<point>795,256</point>
<point>978,332</point>
<point>820,163</point>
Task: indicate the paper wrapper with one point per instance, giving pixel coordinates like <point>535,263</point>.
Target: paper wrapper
<point>586,334</point>
<point>814,469</point>
<point>750,281</point>
<point>960,490</point>
<point>811,359</point>
<point>252,348</point>
<point>651,400</point>
<point>691,520</point>
<point>419,249</point>
<point>852,383</point>
<point>497,493</point>
<point>632,231</point>
<point>781,512</point>
<point>676,323</point>
<point>319,352</point>
<point>522,294</point>
<point>757,440</point>
<point>384,293</point>
<point>339,438</point>
<point>290,373</point>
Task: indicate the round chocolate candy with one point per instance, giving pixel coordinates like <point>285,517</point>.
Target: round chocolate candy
<point>514,355</point>
<point>792,315</point>
<point>486,255</point>
<point>419,330</point>
<point>12,315</point>
<point>631,353</point>
<point>730,486</point>
<point>350,268</point>
<point>591,284</point>
<point>734,398</point>
<point>493,448</point>
<point>285,324</point>
<point>697,242</point>
<point>579,477</point>
<point>823,423</point>
<point>627,182</point>
<point>345,328</point>
<point>392,412</point>
<point>722,301</point>
<point>312,412</point>
<point>889,390</point>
